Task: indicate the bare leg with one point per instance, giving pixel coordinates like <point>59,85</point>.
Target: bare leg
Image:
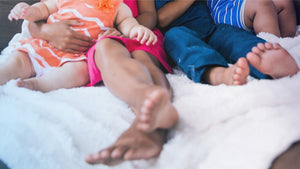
<point>290,159</point>
<point>133,144</point>
<point>71,74</point>
<point>152,65</point>
<point>235,75</point>
<point>273,60</point>
<point>156,103</point>
<point>261,15</point>
<point>137,86</point>
<point>287,17</point>
<point>131,81</point>
<point>18,65</point>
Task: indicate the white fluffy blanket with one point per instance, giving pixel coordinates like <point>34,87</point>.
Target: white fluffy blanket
<point>220,127</point>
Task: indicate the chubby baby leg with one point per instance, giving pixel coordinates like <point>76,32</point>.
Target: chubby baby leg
<point>71,74</point>
<point>18,65</point>
<point>261,15</point>
<point>287,17</point>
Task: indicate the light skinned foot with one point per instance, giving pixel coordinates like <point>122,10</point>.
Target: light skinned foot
<point>30,84</point>
<point>235,75</point>
<point>156,111</point>
<point>133,144</point>
<point>273,60</point>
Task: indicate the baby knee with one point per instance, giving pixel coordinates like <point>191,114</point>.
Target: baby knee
<point>82,71</point>
<point>78,67</point>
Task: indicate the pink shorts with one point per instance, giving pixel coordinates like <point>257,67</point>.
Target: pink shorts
<point>132,45</point>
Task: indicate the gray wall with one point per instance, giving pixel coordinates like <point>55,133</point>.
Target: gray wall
<point>7,28</point>
<point>297,6</point>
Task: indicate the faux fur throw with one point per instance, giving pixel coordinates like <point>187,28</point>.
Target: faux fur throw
<point>220,127</point>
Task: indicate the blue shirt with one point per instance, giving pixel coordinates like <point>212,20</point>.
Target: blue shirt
<point>229,12</point>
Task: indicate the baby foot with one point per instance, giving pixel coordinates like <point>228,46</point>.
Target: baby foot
<point>30,84</point>
<point>240,72</point>
<point>273,60</point>
<point>234,75</point>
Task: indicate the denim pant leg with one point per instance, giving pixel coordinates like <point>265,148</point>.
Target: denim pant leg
<point>234,43</point>
<point>190,53</point>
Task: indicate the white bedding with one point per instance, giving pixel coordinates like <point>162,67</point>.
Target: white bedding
<point>220,127</point>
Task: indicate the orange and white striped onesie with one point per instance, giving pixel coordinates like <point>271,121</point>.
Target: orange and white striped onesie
<point>97,16</point>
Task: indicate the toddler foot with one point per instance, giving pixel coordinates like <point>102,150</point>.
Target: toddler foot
<point>234,75</point>
<point>157,111</point>
<point>133,144</point>
<point>273,60</point>
<point>241,71</point>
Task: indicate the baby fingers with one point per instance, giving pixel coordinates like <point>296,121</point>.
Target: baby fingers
<point>152,39</point>
<point>140,34</point>
<point>15,15</point>
<point>20,11</point>
<point>145,37</point>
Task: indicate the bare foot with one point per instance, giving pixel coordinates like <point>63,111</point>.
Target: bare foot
<point>156,111</point>
<point>133,144</point>
<point>31,84</point>
<point>273,60</point>
<point>234,75</point>
<point>290,159</point>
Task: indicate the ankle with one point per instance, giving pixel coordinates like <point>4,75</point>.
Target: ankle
<point>215,75</point>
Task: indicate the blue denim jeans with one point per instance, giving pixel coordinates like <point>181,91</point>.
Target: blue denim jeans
<point>233,43</point>
<point>195,43</point>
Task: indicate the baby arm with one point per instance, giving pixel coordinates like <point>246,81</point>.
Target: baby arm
<point>147,13</point>
<point>129,26</point>
<point>36,12</point>
<point>172,10</point>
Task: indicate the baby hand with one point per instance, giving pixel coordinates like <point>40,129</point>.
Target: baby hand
<point>21,11</point>
<point>143,34</point>
<point>110,32</point>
